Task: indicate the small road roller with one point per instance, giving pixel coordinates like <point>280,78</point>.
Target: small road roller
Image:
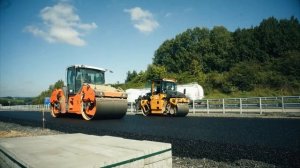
<point>86,94</point>
<point>164,99</point>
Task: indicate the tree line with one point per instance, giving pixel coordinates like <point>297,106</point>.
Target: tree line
<point>11,101</point>
<point>47,93</point>
<point>257,61</point>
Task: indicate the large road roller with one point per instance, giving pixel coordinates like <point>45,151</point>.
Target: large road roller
<point>164,99</point>
<point>87,94</point>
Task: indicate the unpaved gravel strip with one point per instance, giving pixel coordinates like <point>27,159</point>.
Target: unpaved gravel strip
<point>9,130</point>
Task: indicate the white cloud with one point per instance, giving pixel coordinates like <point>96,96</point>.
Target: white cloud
<point>61,24</point>
<point>142,19</point>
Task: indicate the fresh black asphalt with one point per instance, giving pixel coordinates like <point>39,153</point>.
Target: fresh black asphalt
<point>275,141</point>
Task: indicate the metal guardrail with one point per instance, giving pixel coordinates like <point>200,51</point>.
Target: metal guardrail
<point>39,107</point>
<point>260,105</point>
<point>252,104</point>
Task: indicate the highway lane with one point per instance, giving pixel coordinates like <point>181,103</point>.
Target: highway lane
<point>191,136</point>
<point>283,133</point>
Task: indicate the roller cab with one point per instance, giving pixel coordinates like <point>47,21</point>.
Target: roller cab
<point>164,99</point>
<point>86,94</point>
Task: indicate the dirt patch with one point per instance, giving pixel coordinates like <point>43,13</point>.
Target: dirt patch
<point>9,130</point>
<point>9,134</point>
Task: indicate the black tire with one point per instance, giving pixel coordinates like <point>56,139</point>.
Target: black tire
<point>55,107</point>
<point>146,110</point>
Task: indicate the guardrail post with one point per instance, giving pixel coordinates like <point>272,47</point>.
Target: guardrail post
<point>207,106</point>
<point>193,106</point>
<point>223,102</point>
<point>260,106</point>
<point>241,106</point>
<point>43,110</point>
<point>131,107</point>
<point>282,104</point>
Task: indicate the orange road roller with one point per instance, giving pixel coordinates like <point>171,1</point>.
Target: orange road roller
<point>86,94</point>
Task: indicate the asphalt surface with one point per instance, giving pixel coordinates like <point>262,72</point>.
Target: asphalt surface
<point>274,141</point>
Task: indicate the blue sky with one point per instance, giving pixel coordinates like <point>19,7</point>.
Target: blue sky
<point>39,39</point>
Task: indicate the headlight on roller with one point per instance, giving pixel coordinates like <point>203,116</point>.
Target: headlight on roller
<point>99,94</point>
<point>124,95</point>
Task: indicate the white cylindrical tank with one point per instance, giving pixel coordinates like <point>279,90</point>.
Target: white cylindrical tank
<point>192,90</point>
<point>133,94</point>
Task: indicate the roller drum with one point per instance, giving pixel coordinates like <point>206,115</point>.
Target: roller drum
<point>110,108</point>
<point>182,109</point>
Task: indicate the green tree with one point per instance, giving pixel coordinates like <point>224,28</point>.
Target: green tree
<point>289,65</point>
<point>59,84</point>
<point>222,44</point>
<point>130,76</point>
<point>47,93</point>
<point>278,36</point>
<point>247,47</point>
<point>243,76</point>
<point>155,72</point>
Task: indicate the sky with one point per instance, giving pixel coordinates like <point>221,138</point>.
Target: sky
<point>39,39</point>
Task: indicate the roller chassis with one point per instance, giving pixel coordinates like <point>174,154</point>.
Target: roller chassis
<point>163,99</point>
<point>104,109</point>
<point>169,108</point>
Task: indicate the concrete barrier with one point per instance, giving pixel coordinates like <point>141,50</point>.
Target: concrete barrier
<point>80,150</point>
